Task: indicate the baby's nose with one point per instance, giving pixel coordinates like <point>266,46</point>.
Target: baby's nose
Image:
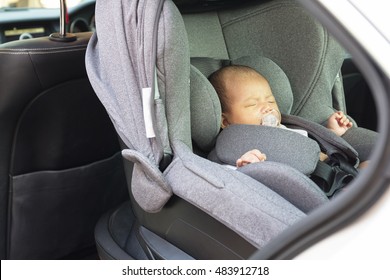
<point>265,109</point>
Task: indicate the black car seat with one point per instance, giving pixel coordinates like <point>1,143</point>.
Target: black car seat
<point>228,215</point>
<point>60,166</point>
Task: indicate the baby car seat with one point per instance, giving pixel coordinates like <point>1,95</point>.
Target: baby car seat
<point>279,145</point>
<point>283,31</point>
<point>190,207</point>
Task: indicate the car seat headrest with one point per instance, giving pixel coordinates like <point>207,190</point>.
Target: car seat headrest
<point>205,111</point>
<point>277,79</point>
<point>205,104</point>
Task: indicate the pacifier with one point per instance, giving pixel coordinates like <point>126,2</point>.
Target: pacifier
<point>270,120</point>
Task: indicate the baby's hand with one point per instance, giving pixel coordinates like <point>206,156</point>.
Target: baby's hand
<point>339,123</point>
<point>251,157</point>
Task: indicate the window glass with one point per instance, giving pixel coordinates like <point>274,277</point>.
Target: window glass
<point>36,3</point>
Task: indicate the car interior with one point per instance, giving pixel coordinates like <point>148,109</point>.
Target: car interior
<point>69,191</point>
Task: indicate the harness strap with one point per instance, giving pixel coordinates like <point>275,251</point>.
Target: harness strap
<point>333,177</point>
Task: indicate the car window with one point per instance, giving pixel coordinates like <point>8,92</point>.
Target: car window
<point>49,4</point>
<point>377,15</point>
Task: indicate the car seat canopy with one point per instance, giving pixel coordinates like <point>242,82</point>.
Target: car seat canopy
<point>129,62</point>
<point>123,68</point>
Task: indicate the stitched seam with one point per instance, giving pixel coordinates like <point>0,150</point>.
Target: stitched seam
<point>257,12</point>
<point>35,70</point>
<point>33,52</point>
<point>47,49</point>
<point>223,35</point>
<point>317,76</point>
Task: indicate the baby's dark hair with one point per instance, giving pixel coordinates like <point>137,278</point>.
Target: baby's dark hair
<point>218,80</point>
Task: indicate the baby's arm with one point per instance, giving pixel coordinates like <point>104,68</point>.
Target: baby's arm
<point>251,157</point>
<point>339,123</point>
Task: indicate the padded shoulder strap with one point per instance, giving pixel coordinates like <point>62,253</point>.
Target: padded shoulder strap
<point>333,145</point>
<point>280,145</point>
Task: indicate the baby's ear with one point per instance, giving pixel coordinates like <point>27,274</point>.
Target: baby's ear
<point>224,121</point>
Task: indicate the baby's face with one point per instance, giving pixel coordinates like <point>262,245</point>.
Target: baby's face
<point>250,99</point>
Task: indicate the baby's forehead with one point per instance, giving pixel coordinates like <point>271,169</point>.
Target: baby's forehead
<point>239,71</point>
<point>247,79</point>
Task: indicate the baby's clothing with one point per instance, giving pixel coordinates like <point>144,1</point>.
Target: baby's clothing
<point>300,131</point>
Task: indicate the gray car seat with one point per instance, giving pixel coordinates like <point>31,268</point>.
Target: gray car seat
<point>284,32</point>
<point>190,198</point>
<point>193,198</point>
<point>279,145</point>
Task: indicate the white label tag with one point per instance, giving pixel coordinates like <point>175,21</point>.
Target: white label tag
<point>147,105</point>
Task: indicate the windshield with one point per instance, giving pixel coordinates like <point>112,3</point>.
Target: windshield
<point>49,4</point>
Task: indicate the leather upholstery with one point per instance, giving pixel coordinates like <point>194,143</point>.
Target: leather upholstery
<point>50,121</point>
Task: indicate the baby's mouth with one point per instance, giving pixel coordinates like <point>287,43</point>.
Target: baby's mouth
<point>270,119</point>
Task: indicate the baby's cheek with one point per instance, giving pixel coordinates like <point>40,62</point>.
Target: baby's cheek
<point>252,117</point>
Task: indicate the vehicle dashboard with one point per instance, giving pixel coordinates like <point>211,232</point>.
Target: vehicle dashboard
<point>24,23</point>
